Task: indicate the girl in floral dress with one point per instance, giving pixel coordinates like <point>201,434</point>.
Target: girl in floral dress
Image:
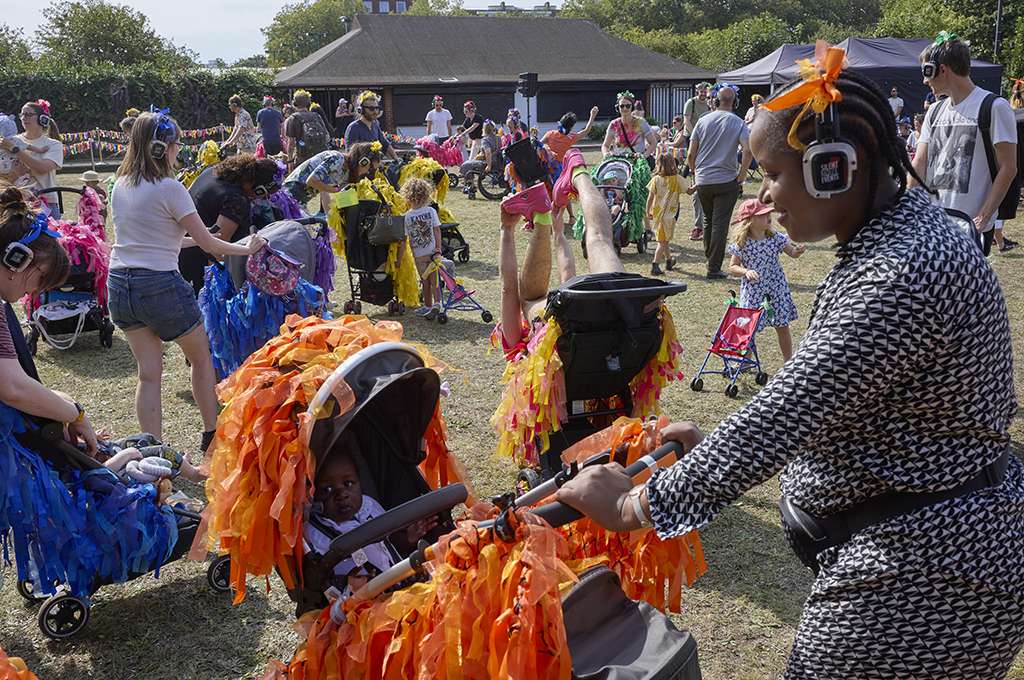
<point>755,252</point>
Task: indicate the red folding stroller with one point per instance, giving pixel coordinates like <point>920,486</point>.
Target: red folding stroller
<point>455,297</point>
<point>734,343</point>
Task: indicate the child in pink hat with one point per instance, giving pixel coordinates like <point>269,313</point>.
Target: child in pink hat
<point>755,249</point>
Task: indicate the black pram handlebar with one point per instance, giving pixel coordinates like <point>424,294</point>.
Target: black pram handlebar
<point>669,288</point>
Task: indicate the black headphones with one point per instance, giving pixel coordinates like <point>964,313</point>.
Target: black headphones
<point>364,161</point>
<point>43,120</point>
<point>930,69</point>
<point>17,255</point>
<point>735,99</point>
<point>830,161</point>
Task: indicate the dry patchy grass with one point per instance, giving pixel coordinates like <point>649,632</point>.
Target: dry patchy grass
<point>743,611</point>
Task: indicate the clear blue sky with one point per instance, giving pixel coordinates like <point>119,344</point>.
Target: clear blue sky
<point>215,30</point>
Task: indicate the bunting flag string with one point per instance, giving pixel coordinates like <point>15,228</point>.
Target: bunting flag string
<point>115,142</point>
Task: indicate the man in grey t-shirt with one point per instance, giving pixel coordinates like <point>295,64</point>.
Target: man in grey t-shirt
<point>712,159</point>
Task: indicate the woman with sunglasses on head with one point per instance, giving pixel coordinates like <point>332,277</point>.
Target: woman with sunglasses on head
<point>154,218</point>
<point>223,195</point>
<point>39,148</point>
<point>329,172</point>
<point>629,133</point>
<point>889,423</point>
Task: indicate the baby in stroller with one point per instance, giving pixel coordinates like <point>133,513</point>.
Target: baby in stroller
<point>614,197</point>
<point>340,506</point>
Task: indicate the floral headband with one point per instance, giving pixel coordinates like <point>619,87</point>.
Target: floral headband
<point>818,90</point>
<point>45,104</point>
<point>438,98</point>
<point>943,37</point>
<point>269,97</point>
<point>234,96</point>
<point>469,105</point>
<point>363,96</point>
<point>279,176</point>
<point>627,94</point>
<point>131,112</point>
<point>376,146</point>
<point>305,92</point>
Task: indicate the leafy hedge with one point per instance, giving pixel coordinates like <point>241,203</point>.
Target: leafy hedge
<point>97,95</point>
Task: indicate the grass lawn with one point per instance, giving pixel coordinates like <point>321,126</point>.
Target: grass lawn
<point>743,611</point>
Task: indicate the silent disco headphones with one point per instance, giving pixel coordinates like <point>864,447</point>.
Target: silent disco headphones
<point>930,69</point>
<point>262,190</point>
<point>17,255</point>
<point>829,161</point>
<point>718,88</point>
<point>163,136</point>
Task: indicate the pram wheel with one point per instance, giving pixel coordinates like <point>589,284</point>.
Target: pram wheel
<point>357,307</point>
<point>453,180</point>
<point>33,340</point>
<point>401,309</point>
<point>486,316</point>
<point>350,307</point>
<point>464,254</point>
<point>645,238</point>
<point>697,384</point>
<point>442,318</point>
<point>27,591</point>
<point>107,335</point>
<point>762,378</point>
<point>492,185</point>
<point>527,480</point>
<point>218,574</point>
<point>731,391</point>
<point>62,616</point>
<point>392,308</point>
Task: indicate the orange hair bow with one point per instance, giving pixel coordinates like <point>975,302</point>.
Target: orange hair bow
<point>817,91</point>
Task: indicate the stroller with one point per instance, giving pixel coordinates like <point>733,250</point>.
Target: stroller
<point>80,304</point>
<point>734,343</point>
<point>239,317</point>
<point>627,225</point>
<point>76,526</point>
<point>369,394</point>
<point>614,359</point>
<point>366,262</point>
<point>455,297</point>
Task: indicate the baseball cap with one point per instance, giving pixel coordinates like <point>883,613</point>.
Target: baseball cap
<point>751,207</point>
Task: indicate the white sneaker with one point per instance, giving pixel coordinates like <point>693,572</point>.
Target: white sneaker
<point>432,313</point>
<point>422,311</point>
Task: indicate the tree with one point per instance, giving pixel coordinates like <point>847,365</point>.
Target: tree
<point>14,48</point>
<point>450,8</point>
<point>914,19</point>
<point>757,37</point>
<point>92,31</point>
<point>303,27</point>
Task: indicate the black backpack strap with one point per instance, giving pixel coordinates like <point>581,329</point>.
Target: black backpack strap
<point>985,128</point>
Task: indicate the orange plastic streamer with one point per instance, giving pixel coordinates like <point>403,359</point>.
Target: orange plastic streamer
<point>492,610</point>
<point>646,564</point>
<point>262,469</point>
<point>13,668</point>
<point>818,89</point>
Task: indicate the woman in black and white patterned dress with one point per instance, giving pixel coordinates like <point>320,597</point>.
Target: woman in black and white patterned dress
<point>903,386</point>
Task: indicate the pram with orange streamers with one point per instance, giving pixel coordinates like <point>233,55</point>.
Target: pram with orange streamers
<point>492,608</point>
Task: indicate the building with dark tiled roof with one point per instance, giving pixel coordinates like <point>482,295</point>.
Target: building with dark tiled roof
<point>409,59</point>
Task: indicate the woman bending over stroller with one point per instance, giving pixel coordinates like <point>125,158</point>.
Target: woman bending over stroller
<point>149,299</point>
<point>889,421</point>
<point>33,261</point>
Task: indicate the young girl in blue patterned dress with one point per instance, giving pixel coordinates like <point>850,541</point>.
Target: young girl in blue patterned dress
<point>755,252</point>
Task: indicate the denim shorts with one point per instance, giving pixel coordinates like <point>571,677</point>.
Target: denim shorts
<point>162,301</point>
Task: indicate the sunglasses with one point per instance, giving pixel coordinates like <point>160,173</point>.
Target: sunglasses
<point>371,108</point>
<point>625,106</point>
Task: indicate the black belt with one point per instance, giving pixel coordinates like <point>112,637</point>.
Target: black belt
<point>809,535</point>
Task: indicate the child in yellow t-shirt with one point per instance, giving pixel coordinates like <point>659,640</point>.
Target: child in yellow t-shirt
<point>663,207</point>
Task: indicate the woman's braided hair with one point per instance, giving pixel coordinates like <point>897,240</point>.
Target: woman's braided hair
<point>866,118</point>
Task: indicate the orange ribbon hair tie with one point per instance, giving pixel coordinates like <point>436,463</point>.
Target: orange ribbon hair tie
<point>817,91</point>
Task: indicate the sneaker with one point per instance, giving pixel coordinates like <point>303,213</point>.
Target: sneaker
<point>656,270</point>
<point>696,234</point>
<point>718,275</point>
<point>471,195</point>
<point>330,304</point>
<point>1007,245</point>
<point>527,203</point>
<point>670,263</point>
<point>432,312</point>
<point>1009,241</point>
<point>563,191</point>
<point>422,311</point>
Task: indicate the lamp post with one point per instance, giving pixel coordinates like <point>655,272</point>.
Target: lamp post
<point>318,36</point>
<point>273,53</point>
<point>346,21</point>
<point>292,46</point>
<point>999,29</point>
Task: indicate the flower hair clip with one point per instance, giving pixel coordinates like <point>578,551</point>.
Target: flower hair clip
<point>270,98</point>
<point>132,112</point>
<point>817,91</point>
<point>625,93</point>
<point>235,95</point>
<point>368,94</point>
<point>305,92</point>
<point>944,36</point>
<point>376,146</point>
<point>45,104</point>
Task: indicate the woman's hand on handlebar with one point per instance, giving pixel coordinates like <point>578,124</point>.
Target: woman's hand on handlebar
<point>254,244</point>
<point>599,492</point>
<point>83,432</point>
<point>686,432</point>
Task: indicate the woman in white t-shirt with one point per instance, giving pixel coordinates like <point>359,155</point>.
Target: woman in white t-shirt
<point>39,148</point>
<point>149,300</point>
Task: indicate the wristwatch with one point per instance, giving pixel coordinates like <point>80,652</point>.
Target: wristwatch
<point>15,149</point>
<point>81,414</point>
<point>638,508</point>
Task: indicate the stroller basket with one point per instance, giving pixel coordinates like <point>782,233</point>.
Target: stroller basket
<point>606,336</point>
